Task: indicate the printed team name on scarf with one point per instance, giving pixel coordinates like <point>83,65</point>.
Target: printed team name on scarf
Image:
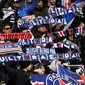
<point>16,35</point>
<point>40,51</point>
<point>11,58</point>
<point>43,20</point>
<point>68,44</point>
<point>51,37</point>
<point>38,57</point>
<point>78,30</point>
<point>38,41</point>
<point>63,11</point>
<point>44,41</point>
<point>54,12</point>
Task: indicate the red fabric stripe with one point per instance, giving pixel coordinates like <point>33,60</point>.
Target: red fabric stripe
<point>80,28</point>
<point>83,78</point>
<point>22,35</point>
<point>9,35</point>
<point>61,33</point>
<point>29,35</point>
<point>61,82</point>
<point>16,35</point>
<point>4,36</point>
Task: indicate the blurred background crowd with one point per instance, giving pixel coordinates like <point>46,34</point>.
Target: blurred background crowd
<point>11,14</point>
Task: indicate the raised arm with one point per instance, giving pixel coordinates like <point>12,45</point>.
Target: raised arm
<point>25,11</point>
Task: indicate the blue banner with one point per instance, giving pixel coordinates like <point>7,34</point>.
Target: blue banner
<point>63,77</point>
<point>53,79</point>
<point>64,71</point>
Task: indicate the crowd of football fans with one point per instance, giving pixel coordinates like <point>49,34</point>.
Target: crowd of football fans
<point>18,72</point>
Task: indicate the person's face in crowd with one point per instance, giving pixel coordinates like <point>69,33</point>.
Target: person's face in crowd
<point>17,4</point>
<point>42,28</point>
<point>40,4</point>
<point>58,26</point>
<point>70,37</point>
<point>41,70</point>
<point>53,2</point>
<point>7,29</point>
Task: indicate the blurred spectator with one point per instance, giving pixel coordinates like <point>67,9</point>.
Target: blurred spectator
<point>27,2</point>
<point>39,68</point>
<point>18,76</point>
<point>57,27</point>
<point>71,37</point>
<point>7,28</point>
<point>19,12</point>
<point>41,9</point>
<point>52,2</point>
<point>40,31</point>
<point>23,11</point>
